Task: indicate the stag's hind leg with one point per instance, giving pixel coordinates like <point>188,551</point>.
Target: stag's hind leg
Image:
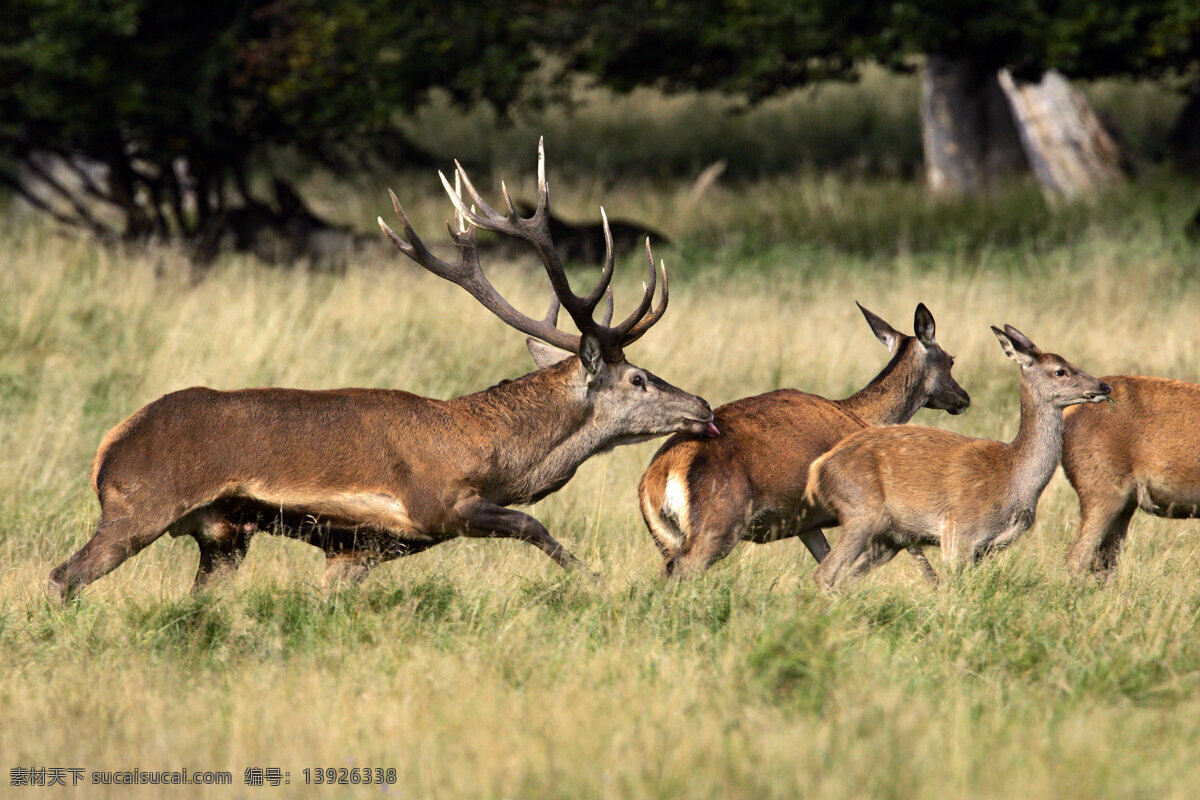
<point>223,544</point>
<point>121,533</point>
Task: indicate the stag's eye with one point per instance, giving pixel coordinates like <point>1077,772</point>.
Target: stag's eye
<point>637,380</point>
<point>1060,373</point>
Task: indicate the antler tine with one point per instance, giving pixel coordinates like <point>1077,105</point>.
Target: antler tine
<point>606,272</point>
<point>412,246</point>
<point>647,297</point>
<point>467,273</point>
<point>644,323</point>
<point>543,201</point>
<point>536,231</point>
<point>491,219</point>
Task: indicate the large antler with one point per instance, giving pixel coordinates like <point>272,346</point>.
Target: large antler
<point>535,229</point>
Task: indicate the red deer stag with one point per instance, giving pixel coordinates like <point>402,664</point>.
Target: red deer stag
<point>700,497</point>
<point>1140,451</point>
<point>369,475</point>
<point>903,486</point>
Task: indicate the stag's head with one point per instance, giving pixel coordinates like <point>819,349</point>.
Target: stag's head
<point>626,401</point>
<point>927,361</point>
<point>1049,376</point>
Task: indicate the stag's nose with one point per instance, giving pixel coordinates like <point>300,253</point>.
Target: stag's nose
<point>1105,388</point>
<point>710,429</point>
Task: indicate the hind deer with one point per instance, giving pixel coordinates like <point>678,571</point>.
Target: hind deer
<point>897,487</point>
<point>369,475</point>
<point>1140,451</point>
<point>700,497</point>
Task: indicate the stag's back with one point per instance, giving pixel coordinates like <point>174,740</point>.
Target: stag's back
<point>181,444</point>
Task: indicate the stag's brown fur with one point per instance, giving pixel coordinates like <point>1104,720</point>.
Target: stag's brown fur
<point>700,497</point>
<point>1140,451</point>
<point>896,487</point>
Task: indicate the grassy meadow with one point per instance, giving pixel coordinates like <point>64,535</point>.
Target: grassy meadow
<point>478,668</point>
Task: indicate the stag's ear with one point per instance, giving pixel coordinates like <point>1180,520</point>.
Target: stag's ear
<point>545,355</point>
<point>923,325</point>
<point>889,336</point>
<point>591,354</point>
<point>1014,348</point>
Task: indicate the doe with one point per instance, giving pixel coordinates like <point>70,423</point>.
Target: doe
<point>1140,451</point>
<point>897,487</point>
<point>700,497</point>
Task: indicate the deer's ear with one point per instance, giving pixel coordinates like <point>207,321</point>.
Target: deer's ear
<point>591,354</point>
<point>1015,349</point>
<point>1022,339</point>
<point>545,355</point>
<point>923,325</point>
<point>889,336</point>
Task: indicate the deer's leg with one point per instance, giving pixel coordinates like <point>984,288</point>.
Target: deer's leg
<point>484,520</point>
<point>351,553</point>
<point>116,539</point>
<point>814,539</point>
<point>857,551</point>
<point>1103,523</point>
<point>710,544</point>
<point>347,568</point>
<point>918,554</point>
<point>223,545</point>
<point>716,526</point>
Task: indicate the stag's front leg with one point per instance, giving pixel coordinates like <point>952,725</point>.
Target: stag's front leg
<point>814,539</point>
<point>484,519</point>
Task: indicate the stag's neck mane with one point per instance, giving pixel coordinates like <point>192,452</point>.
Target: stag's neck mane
<point>893,396</point>
<point>537,430</point>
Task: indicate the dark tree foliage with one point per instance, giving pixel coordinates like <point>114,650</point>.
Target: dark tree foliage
<point>763,47</point>
<point>142,118</point>
<point>752,48</point>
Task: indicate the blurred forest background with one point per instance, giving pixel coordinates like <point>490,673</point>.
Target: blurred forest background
<point>205,124</point>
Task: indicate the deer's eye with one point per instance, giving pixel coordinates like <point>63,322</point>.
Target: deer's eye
<point>1060,373</point>
<point>637,380</point>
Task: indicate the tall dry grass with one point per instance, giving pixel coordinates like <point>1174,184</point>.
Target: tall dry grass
<point>478,668</point>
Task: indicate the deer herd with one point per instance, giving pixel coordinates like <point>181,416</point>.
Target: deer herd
<point>369,475</point>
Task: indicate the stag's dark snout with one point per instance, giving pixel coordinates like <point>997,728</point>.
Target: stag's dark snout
<point>700,420</point>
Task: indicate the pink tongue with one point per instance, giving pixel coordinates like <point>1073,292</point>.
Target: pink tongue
<point>712,430</point>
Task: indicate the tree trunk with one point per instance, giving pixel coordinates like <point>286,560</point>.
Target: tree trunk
<point>1067,147</point>
<point>968,131</point>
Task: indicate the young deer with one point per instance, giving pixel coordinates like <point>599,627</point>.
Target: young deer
<point>903,486</point>
<point>700,497</point>
<point>369,475</point>
<point>1140,451</point>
